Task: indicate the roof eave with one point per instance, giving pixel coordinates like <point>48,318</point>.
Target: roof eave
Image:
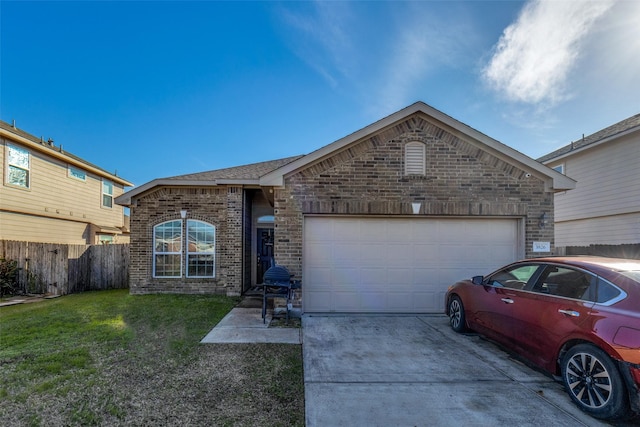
<point>126,198</point>
<point>60,155</point>
<point>589,146</point>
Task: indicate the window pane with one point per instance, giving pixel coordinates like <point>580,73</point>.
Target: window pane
<point>19,157</point>
<point>201,266</point>
<point>107,201</point>
<point>77,173</point>
<point>201,249</point>
<point>514,277</point>
<point>107,188</point>
<point>606,291</point>
<point>18,176</point>
<point>168,236</point>
<point>167,266</point>
<point>566,282</point>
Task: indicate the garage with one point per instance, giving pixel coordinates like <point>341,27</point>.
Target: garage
<point>401,264</point>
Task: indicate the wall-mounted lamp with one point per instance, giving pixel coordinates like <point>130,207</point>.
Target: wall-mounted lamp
<point>543,220</point>
<point>183,213</point>
<point>416,208</point>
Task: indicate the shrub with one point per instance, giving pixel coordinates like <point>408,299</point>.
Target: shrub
<point>8,277</point>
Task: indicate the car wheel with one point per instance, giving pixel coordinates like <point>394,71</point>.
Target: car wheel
<point>594,382</point>
<point>457,319</point>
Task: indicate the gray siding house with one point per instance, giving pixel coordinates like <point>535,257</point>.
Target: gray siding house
<point>604,209</point>
<point>382,220</point>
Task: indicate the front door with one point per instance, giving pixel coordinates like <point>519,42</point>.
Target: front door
<point>265,251</point>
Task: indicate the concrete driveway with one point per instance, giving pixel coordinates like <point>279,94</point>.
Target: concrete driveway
<point>415,371</point>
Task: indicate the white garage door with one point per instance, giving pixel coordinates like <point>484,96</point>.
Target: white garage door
<point>400,265</point>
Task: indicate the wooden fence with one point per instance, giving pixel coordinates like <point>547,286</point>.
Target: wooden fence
<point>58,269</point>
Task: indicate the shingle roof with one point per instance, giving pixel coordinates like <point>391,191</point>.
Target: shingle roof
<point>45,146</point>
<point>245,172</point>
<point>618,128</point>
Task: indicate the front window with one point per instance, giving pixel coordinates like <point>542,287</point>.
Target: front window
<point>168,244</point>
<point>18,166</point>
<point>167,249</point>
<point>201,249</point>
<point>107,194</point>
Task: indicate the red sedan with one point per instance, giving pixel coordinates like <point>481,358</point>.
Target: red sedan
<point>576,317</point>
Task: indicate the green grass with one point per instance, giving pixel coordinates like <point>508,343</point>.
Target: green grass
<point>109,358</point>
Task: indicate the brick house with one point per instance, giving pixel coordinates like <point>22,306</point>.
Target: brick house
<point>382,220</point>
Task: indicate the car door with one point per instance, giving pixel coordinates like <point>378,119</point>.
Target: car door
<point>556,306</point>
<point>495,299</point>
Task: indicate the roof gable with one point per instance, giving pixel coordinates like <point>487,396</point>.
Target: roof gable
<point>403,117</point>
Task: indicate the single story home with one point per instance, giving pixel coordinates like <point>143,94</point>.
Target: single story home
<point>382,220</point>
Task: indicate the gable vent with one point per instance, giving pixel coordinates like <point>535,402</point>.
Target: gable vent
<point>414,158</point>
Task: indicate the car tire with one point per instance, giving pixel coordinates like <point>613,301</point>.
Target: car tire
<point>594,383</point>
<point>457,318</point>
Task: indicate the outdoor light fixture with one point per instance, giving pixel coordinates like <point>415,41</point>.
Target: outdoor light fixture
<point>416,208</point>
<point>183,213</point>
<point>543,220</point>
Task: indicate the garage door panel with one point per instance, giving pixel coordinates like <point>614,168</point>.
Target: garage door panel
<point>397,254</point>
<point>372,254</point>
<point>374,276</point>
<point>346,253</point>
<point>399,265</point>
<point>342,276</point>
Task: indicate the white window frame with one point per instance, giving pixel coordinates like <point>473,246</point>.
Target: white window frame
<point>415,158</point>
<point>109,195</point>
<point>173,252</point>
<point>559,168</point>
<point>181,247</point>
<point>76,173</point>
<point>194,253</point>
<point>12,164</point>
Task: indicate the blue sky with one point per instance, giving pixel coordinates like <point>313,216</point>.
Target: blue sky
<point>153,89</point>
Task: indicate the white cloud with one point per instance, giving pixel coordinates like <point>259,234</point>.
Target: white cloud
<point>535,55</point>
<point>322,40</point>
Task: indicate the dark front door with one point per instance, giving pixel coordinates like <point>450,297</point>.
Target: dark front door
<point>265,251</point>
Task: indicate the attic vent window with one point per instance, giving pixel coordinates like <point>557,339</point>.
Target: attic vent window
<point>414,158</point>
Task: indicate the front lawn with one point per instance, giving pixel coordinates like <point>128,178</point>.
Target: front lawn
<point>109,358</point>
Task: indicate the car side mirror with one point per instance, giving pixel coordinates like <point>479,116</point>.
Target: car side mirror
<point>477,280</point>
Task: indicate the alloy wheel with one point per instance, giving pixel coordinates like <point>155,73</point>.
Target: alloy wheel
<point>588,380</point>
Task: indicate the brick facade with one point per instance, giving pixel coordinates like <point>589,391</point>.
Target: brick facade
<point>367,178</point>
<point>219,206</point>
<point>465,178</point>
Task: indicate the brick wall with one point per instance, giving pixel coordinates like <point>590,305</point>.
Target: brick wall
<point>219,206</point>
<point>367,178</point>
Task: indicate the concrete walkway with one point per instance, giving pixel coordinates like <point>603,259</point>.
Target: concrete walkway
<point>244,325</point>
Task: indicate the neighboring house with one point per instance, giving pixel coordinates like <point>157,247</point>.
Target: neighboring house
<point>49,195</point>
<point>604,209</point>
<point>382,220</point>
